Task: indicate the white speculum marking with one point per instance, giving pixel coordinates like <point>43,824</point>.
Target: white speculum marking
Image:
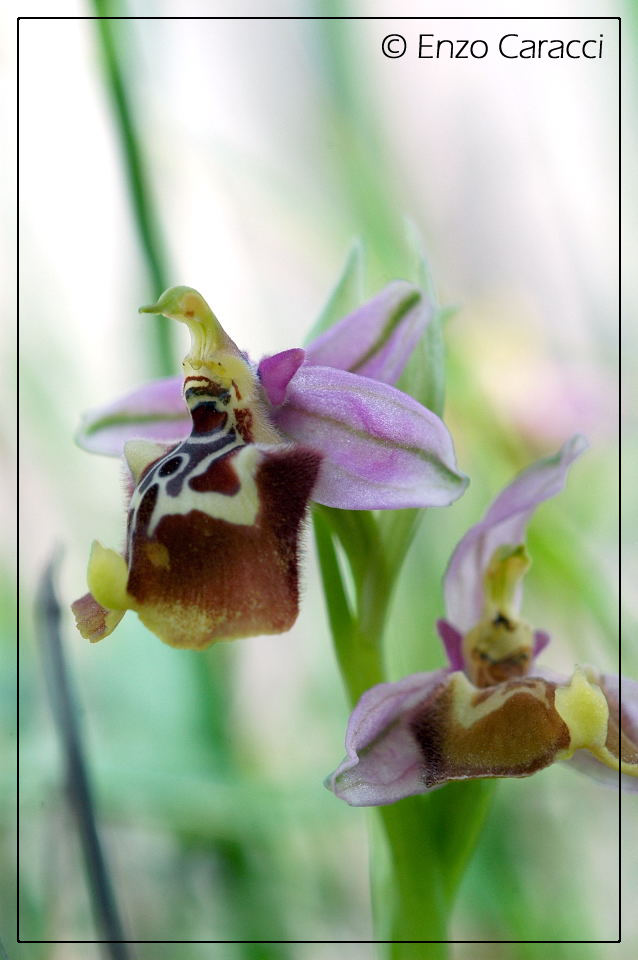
<point>240,508</point>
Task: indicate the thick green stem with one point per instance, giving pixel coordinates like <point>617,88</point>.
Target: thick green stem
<point>430,838</point>
<point>419,905</point>
<point>458,812</point>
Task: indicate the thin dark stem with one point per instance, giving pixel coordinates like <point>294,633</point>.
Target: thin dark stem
<point>59,687</point>
<point>137,174</point>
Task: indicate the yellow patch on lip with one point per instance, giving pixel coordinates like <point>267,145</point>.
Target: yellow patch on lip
<point>158,554</point>
<point>470,708</point>
<point>187,628</point>
<point>583,707</point>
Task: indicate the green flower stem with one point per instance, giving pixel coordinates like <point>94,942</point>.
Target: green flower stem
<point>420,908</point>
<point>398,529</point>
<point>458,813</point>
<point>109,30</point>
<point>358,655</point>
<point>430,838</point>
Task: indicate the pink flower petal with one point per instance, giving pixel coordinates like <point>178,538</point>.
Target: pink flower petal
<point>154,411</point>
<point>277,371</point>
<point>381,448</point>
<point>377,339</point>
<point>453,643</point>
<point>383,761</point>
<point>504,523</point>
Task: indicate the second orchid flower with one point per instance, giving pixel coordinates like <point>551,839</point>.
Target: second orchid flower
<point>492,712</point>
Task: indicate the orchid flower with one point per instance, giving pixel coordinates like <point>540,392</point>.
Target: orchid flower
<point>491,712</point>
<point>223,462</point>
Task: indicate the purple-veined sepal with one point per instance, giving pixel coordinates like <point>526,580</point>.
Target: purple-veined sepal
<point>504,524</point>
<point>377,338</point>
<point>154,411</point>
<point>382,762</point>
<point>380,448</point>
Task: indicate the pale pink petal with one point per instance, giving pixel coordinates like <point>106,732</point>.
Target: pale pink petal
<point>381,449</point>
<point>504,524</point>
<point>377,338</point>
<point>383,761</point>
<point>276,372</point>
<point>154,411</point>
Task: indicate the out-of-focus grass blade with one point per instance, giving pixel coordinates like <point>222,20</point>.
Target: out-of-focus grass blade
<point>110,34</point>
<point>424,374</point>
<point>107,915</point>
<point>346,296</point>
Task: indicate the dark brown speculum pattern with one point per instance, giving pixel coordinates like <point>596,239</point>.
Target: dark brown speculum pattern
<point>197,576</point>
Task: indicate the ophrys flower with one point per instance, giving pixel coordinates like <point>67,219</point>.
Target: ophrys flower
<point>493,712</point>
<point>222,470</point>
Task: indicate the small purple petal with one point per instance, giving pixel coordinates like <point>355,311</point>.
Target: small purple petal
<point>154,411</point>
<point>277,371</point>
<point>504,523</point>
<point>381,449</point>
<point>377,339</point>
<point>453,643</point>
<point>541,640</point>
<point>383,761</point>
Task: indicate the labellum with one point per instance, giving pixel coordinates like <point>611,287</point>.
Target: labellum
<point>213,521</point>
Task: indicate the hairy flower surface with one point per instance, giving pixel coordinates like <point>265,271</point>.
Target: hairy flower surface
<point>492,712</point>
<point>223,462</point>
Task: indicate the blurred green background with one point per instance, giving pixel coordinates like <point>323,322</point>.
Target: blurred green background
<point>265,147</point>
